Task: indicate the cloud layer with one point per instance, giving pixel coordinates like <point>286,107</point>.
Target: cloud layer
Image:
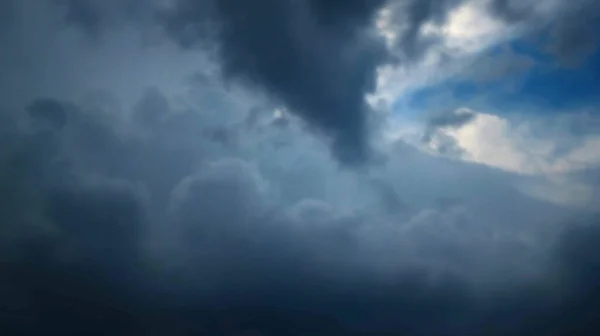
<point>166,230</point>
<point>200,201</point>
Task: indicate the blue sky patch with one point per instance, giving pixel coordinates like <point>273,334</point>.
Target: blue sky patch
<point>545,86</point>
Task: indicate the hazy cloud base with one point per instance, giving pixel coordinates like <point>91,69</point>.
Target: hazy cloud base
<point>135,226</point>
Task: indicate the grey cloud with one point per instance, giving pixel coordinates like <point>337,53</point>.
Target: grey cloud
<point>513,11</point>
<point>157,244</point>
<point>121,222</point>
<point>411,16</point>
<point>315,57</point>
<point>449,119</point>
<point>94,17</point>
<point>48,111</point>
<point>569,29</point>
<point>86,15</point>
<point>446,145</point>
<point>491,68</point>
<point>456,118</point>
<point>151,108</point>
<point>78,271</point>
<point>574,37</point>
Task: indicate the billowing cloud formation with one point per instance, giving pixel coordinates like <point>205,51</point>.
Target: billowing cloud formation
<point>198,208</point>
<point>114,226</point>
<point>315,57</point>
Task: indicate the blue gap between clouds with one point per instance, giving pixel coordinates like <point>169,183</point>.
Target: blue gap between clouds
<point>546,86</point>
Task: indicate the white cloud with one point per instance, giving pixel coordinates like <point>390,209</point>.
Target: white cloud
<point>536,147</point>
<point>521,148</point>
<point>468,31</point>
<point>498,142</point>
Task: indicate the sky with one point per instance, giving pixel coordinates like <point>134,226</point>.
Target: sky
<point>309,167</point>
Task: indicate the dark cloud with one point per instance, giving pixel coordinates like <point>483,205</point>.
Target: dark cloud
<point>94,17</point>
<point>411,16</point>
<point>85,14</point>
<point>170,247</point>
<point>445,144</point>
<point>569,30</point>
<point>315,57</point>
<point>573,37</point>
<point>48,111</point>
<point>455,119</point>
<point>512,11</point>
<point>151,108</point>
<point>167,220</point>
<point>76,279</point>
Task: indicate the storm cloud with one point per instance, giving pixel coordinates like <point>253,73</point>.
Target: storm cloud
<point>126,244</point>
<point>207,209</point>
<point>315,57</point>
